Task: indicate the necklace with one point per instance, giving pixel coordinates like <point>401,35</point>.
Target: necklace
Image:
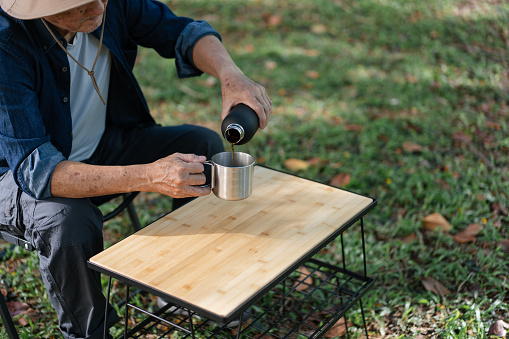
<point>90,72</point>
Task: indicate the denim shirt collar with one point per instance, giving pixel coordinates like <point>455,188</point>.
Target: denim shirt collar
<point>48,42</point>
<point>45,39</point>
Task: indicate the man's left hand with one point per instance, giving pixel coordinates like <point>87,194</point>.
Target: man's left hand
<point>237,88</point>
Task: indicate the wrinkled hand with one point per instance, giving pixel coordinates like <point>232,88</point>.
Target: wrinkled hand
<point>236,88</point>
<point>178,175</point>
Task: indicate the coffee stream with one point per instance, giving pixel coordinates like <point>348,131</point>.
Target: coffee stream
<point>233,136</point>
<point>233,155</point>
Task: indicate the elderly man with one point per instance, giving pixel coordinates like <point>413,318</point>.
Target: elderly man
<point>74,126</point>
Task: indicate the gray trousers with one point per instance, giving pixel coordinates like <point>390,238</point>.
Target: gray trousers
<point>67,232</point>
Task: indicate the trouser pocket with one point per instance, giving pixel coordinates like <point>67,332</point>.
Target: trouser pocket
<point>11,217</point>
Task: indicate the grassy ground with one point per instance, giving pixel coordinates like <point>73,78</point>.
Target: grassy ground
<point>404,101</point>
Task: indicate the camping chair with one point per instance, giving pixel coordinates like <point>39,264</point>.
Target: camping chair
<point>125,204</point>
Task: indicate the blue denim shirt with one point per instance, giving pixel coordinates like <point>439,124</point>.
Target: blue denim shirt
<point>35,117</point>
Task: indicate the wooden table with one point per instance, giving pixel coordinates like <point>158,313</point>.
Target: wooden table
<point>215,258</point>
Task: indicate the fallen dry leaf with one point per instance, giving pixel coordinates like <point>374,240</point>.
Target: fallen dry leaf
<point>504,244</point>
<point>409,238</point>
<point>436,220</point>
<point>468,234</point>
<point>313,74</point>
<point>305,280</point>
<point>319,29</point>
<point>270,65</point>
<point>498,328</point>
<point>15,307</point>
<point>341,179</point>
<point>273,19</point>
<point>336,164</point>
<point>434,286</point>
<point>463,238</point>
<point>28,314</point>
<point>353,127</point>
<point>311,52</point>
<point>493,125</point>
<point>249,48</point>
<point>460,136</point>
<point>315,161</point>
<point>473,229</point>
<point>412,147</point>
<point>338,329</point>
<point>497,224</point>
<point>296,164</point>
<point>498,208</point>
<point>337,120</point>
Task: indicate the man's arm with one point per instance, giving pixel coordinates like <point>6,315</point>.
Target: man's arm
<point>211,57</point>
<point>175,176</point>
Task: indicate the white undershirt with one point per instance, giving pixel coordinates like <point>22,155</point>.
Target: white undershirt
<point>87,110</point>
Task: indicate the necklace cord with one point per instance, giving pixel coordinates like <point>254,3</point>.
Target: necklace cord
<point>90,72</point>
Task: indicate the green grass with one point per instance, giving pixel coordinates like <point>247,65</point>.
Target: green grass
<point>384,73</point>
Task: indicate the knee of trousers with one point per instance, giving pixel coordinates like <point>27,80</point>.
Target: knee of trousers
<point>65,222</point>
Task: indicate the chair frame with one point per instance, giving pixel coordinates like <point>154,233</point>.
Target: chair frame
<point>127,203</point>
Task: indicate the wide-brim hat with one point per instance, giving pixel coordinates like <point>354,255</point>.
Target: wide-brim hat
<point>33,9</point>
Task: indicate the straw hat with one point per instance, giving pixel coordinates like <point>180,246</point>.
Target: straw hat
<point>33,9</point>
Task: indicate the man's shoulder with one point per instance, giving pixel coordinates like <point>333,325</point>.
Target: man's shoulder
<point>8,27</point>
<point>13,30</point>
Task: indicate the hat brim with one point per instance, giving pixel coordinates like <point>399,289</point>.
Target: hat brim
<point>34,9</point>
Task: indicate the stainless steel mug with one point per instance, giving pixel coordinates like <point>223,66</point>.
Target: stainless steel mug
<point>231,180</point>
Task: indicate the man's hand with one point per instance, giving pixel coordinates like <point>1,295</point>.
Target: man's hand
<point>178,176</point>
<point>210,56</point>
<point>237,88</point>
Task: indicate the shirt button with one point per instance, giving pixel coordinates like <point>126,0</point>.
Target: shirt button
<point>64,69</point>
<point>65,99</point>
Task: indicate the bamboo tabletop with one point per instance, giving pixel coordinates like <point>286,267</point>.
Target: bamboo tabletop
<point>215,254</point>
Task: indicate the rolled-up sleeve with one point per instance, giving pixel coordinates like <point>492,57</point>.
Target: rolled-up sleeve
<point>152,24</point>
<point>25,143</point>
<point>191,34</point>
<point>36,170</point>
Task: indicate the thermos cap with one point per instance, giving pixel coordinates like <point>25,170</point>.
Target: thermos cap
<point>240,125</point>
<point>234,133</point>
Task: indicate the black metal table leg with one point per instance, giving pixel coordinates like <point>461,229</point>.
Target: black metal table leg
<point>191,326</point>
<point>364,319</point>
<point>343,252</point>
<point>106,308</point>
<point>363,247</point>
<point>240,325</point>
<point>126,314</point>
<point>365,274</point>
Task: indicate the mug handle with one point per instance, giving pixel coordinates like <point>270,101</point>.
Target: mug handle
<point>211,185</point>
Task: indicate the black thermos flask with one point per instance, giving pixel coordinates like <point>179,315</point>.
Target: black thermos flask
<point>240,125</point>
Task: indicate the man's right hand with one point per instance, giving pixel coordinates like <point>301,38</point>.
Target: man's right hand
<point>178,175</point>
